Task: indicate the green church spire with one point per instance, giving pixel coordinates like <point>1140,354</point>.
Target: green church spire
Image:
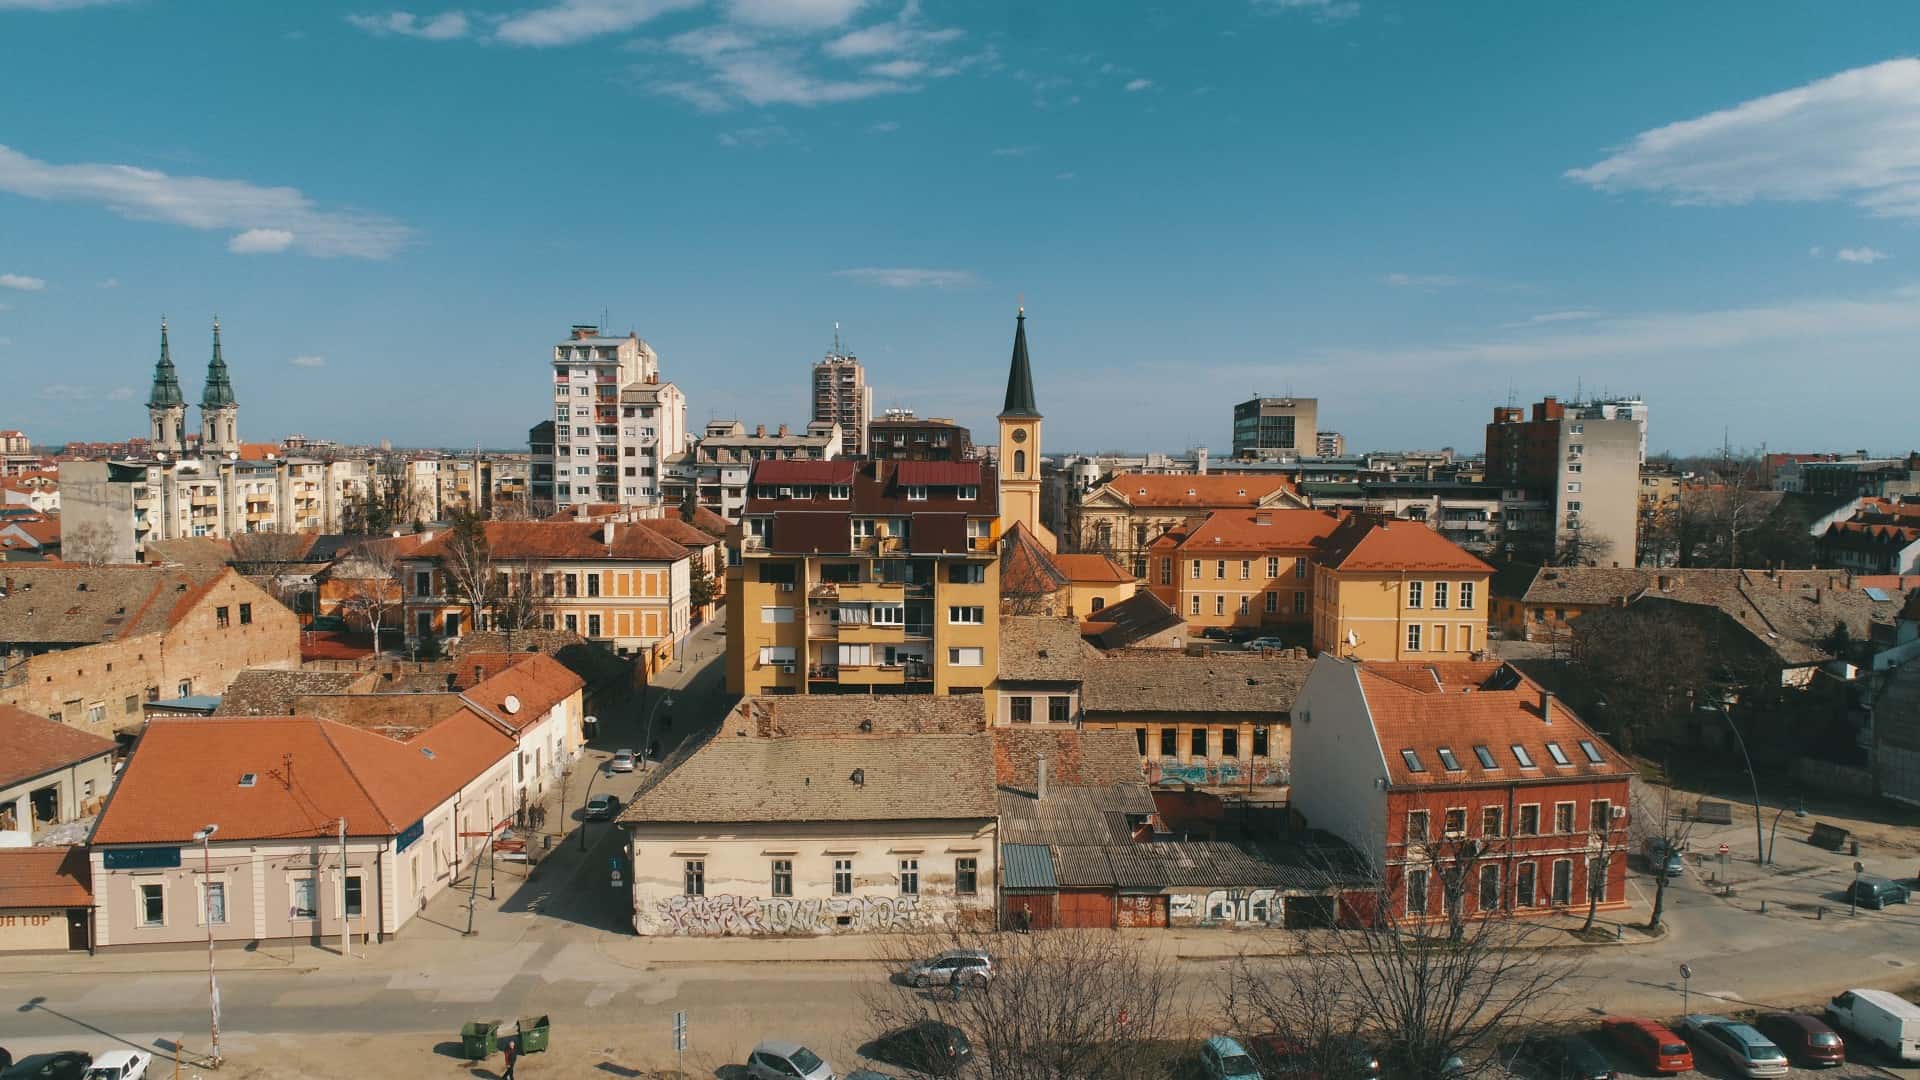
<point>219,391</point>
<point>166,381</point>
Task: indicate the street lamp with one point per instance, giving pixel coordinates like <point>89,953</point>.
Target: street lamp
<point>1799,811</point>
<point>584,820</point>
<point>646,742</point>
<point>1759,842</point>
<point>205,836</point>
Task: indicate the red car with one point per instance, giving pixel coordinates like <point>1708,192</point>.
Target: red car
<point>1649,1043</point>
<point>1803,1038</point>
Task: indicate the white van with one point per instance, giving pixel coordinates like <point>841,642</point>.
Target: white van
<point>1887,1022</point>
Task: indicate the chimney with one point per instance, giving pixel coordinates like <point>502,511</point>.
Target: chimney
<point>1666,583</point>
<point>1040,787</point>
<point>1263,519</point>
<point>610,530</point>
<point>759,431</point>
<point>1546,707</point>
<point>783,431</point>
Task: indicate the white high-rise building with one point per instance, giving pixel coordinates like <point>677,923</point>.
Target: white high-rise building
<point>613,423</point>
<point>841,396</point>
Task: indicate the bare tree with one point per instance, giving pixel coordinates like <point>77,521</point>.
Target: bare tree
<point>1663,831</point>
<point>521,593</point>
<point>469,565</point>
<point>273,556</point>
<point>1581,547</point>
<point>1061,1004</point>
<point>1606,841</point>
<point>386,503</point>
<point>372,579</point>
<point>89,543</point>
<point>1640,667</point>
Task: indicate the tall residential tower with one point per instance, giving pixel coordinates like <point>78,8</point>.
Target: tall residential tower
<point>840,394</point>
<point>613,422</point>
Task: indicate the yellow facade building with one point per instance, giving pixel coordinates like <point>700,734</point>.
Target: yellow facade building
<point>1397,590</point>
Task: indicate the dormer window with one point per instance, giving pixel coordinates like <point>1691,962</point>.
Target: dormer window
<point>1520,755</point>
<point>1486,757</point>
<point>1592,752</point>
<point>917,493</point>
<point>1559,755</point>
<point>840,492</point>
<point>1447,759</point>
<point>969,493</point>
<point>1412,760</point>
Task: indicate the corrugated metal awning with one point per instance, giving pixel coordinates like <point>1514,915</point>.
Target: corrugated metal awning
<point>1026,866</point>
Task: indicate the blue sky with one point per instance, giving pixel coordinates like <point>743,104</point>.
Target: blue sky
<point>1405,209</point>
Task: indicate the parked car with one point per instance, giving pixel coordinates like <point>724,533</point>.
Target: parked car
<point>1885,1021</point>
<point>1217,633</point>
<point>602,807</point>
<point>64,1065</point>
<point>1872,891</point>
<point>1266,643</point>
<point>782,1059</point>
<point>1663,857</point>
<point>1649,1044</point>
<point>970,967</point>
<point>1342,1059</point>
<point>1804,1038</point>
<point>1563,1057</point>
<point>623,761</point>
<point>925,1047</point>
<point>327,622</point>
<point>120,1065</point>
<point>1222,1058</point>
<point>1739,1045</point>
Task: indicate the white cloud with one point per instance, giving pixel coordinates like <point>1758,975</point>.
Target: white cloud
<point>1423,281</point>
<point>1322,10</point>
<point>900,35</point>
<point>446,26</point>
<point>1010,151</point>
<point>54,5</point>
<point>1063,176</point>
<point>110,283</point>
<point>765,77</point>
<point>120,393</point>
<point>897,69</point>
<point>1547,317</point>
<point>200,202</point>
<point>761,135</point>
<point>308,361</point>
<point>569,22</point>
<point>22,282</point>
<point>1852,137</point>
<point>1860,255</point>
<point>884,127</point>
<point>708,42</point>
<point>794,14</point>
<point>1134,86</point>
<point>906,277</point>
<point>65,392</point>
<point>260,242</point>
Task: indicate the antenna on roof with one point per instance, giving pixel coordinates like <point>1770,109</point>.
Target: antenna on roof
<point>836,338</point>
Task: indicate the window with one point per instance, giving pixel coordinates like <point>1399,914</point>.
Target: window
<point>839,492</point>
<point>1169,741</point>
<point>1273,603</point>
<point>842,877</point>
<point>1220,569</point>
<point>1447,760</point>
<point>1020,709</point>
<point>1456,821</point>
<point>1273,566</point>
<point>1592,751</point>
<point>967,574</point>
<point>1597,878</point>
<point>153,905</point>
<point>571,622</point>
<point>1523,885</point>
<point>909,877</point>
<point>1415,593</point>
<point>1229,742</point>
<point>1194,606</point>
<point>1059,710</point>
<point>968,657</point>
<point>774,613</point>
<point>1197,742</point>
<point>301,899</point>
<point>1300,568</point>
<point>132,704</point>
<point>1573,486</point>
<point>1529,820</point>
<point>1413,638</point>
<point>570,584</point>
<point>593,584</point>
<point>916,493</point>
<point>1602,819</point>
<point>862,528</point>
<point>1246,569</point>
<point>1490,821</point>
<point>593,626</point>
<point>1490,887</point>
<point>246,614</point>
<point>1246,605</point>
<point>1520,755</point>
<point>1563,817</point>
<point>1439,594</point>
<point>1196,570</point>
<point>1562,881</point>
<point>1412,760</point>
<point>1466,596</point>
<point>1219,603</point>
<point>1416,892</point>
<point>783,877</point>
<point>1166,571</point>
<point>966,877</point>
<point>353,896</point>
<point>220,617</point>
<point>1140,738</point>
<point>889,614</point>
<point>215,896</point>
<point>1260,740</point>
<point>453,624</point>
<point>694,877</point>
<point>1417,826</point>
<point>1299,603</point>
<point>1559,756</point>
<point>962,614</point>
<point>97,713</point>
<point>1019,462</point>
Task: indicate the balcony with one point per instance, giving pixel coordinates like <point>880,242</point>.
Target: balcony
<point>826,590</point>
<point>823,671</point>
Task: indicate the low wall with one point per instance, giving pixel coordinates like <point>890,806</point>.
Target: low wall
<point>1833,779</point>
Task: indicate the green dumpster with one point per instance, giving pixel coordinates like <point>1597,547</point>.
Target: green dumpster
<point>533,1034</point>
<point>479,1039</point>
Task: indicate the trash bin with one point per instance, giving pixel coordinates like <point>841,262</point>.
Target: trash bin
<point>479,1039</point>
<point>533,1034</point>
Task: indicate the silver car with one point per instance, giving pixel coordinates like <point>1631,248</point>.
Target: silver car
<point>623,761</point>
<point>968,967</point>
<point>781,1059</point>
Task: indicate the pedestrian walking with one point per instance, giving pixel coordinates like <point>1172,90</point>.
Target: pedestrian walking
<point>511,1048</point>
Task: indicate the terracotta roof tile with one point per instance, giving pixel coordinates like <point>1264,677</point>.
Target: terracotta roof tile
<point>536,681</point>
<point>566,540</point>
<point>1092,569</point>
<point>73,604</point>
<point>1042,648</point>
<point>32,745</point>
<point>1372,545</point>
<point>1027,568</point>
<point>45,877</point>
<point>1261,531</point>
<point>1142,490</point>
<point>1153,681</point>
<point>777,716</point>
<point>1075,757</point>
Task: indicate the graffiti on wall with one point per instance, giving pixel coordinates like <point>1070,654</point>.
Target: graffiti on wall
<point>1243,906</point>
<point>1211,773</point>
<point>750,915</point>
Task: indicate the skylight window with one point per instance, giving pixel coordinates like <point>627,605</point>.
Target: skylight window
<point>1592,752</point>
<point>1413,761</point>
<point>248,779</point>
<point>1559,755</point>
<point>1520,755</point>
<point>1447,759</point>
<point>1486,757</point>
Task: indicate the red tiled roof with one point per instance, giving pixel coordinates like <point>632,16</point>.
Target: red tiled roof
<point>1368,544</point>
<point>535,680</point>
<point>565,540</point>
<point>782,471</point>
<point>45,877</point>
<point>1091,569</point>
<point>703,519</point>
<point>32,745</point>
<point>1196,491</point>
<point>1261,530</point>
<point>259,451</point>
<point>1459,706</point>
<point>1026,567</point>
<point>939,473</point>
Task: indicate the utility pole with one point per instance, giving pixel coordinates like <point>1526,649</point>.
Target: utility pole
<point>346,945</point>
<point>205,836</point>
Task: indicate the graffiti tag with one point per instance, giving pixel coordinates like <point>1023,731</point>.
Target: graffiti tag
<point>730,915</point>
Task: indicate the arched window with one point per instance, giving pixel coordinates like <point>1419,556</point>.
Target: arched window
<point>1019,462</point>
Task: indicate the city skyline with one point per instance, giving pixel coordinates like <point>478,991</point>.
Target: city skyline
<point>1406,213</point>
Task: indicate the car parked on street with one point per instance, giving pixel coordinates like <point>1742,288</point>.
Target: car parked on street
<point>1651,1045</point>
<point>1266,643</point>
<point>783,1059</point>
<point>602,807</point>
<point>1562,1057</point>
<point>1222,1058</point>
<point>1805,1039</point>
<point>120,1065</point>
<point>623,761</point>
<point>968,967</point>
<point>1873,891</point>
<point>62,1065</point>
<point>1663,857</point>
<point>1747,1051</point>
<point>1292,1059</point>
<point>929,1047</point>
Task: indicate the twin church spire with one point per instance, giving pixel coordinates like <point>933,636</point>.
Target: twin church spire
<point>167,406</point>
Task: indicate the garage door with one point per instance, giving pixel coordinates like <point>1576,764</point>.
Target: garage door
<point>1035,908</point>
<point>1142,912</point>
<point>33,930</point>
<point>1086,910</point>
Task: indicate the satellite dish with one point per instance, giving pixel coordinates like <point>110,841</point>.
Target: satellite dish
<point>1353,639</point>
<point>511,704</point>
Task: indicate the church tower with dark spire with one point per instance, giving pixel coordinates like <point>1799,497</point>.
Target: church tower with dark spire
<point>219,412</point>
<point>1020,444</point>
<point>166,406</point>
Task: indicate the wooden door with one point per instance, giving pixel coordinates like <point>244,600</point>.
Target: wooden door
<point>1086,910</point>
<point>1036,908</point>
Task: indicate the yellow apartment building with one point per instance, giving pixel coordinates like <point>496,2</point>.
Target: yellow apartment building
<point>1397,590</point>
<point>1245,569</point>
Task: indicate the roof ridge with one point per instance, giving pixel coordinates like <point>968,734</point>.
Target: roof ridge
<point>325,728</point>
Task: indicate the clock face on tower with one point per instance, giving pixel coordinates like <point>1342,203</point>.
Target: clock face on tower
<point>1019,435</point>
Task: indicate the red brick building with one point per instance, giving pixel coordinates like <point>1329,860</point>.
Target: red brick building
<point>1466,775</point>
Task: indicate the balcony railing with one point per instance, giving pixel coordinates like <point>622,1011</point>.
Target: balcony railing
<point>823,671</point>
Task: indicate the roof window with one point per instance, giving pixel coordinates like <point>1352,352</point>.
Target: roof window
<point>1447,759</point>
<point>1592,752</point>
<point>1520,755</point>
<point>1413,761</point>
<point>248,779</point>
<point>1559,755</point>
<point>1486,757</point>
